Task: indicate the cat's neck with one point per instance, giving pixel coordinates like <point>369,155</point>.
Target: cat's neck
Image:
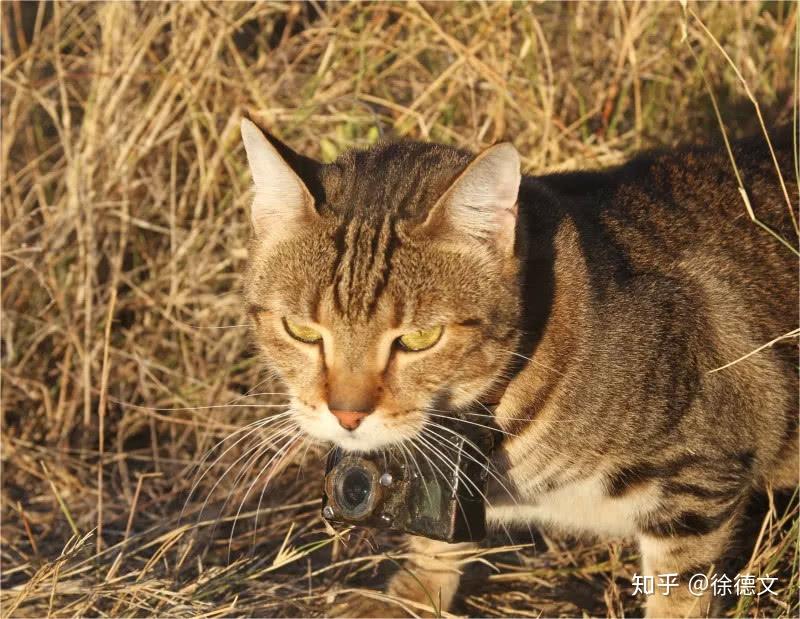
<point>554,292</point>
<point>551,264</point>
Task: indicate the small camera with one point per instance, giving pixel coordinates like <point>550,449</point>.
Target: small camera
<point>434,492</point>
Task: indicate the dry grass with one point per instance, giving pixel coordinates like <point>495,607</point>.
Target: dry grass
<point>124,228</point>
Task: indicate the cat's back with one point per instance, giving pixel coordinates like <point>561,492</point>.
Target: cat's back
<point>676,283</point>
<point>696,196</point>
<point>680,214</point>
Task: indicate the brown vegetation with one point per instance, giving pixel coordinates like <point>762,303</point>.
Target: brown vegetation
<point>124,348</point>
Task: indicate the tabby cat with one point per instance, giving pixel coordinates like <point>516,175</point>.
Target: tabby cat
<point>597,307</point>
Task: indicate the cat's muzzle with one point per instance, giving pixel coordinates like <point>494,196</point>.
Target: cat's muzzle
<point>436,495</point>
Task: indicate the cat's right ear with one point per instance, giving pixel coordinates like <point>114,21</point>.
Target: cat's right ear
<point>282,201</point>
<point>482,201</point>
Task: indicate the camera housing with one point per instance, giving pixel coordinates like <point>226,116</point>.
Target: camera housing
<point>436,496</point>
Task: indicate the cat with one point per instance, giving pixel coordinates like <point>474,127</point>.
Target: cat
<point>598,307</point>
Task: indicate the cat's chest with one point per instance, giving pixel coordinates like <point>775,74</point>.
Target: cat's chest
<point>580,506</point>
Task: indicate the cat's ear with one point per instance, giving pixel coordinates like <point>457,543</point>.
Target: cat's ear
<point>282,201</point>
<point>482,201</point>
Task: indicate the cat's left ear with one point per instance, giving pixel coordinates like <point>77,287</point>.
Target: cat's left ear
<point>482,201</point>
<point>284,180</point>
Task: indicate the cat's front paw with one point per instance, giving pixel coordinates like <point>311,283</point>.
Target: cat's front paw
<point>402,600</point>
<point>363,603</point>
<point>424,586</point>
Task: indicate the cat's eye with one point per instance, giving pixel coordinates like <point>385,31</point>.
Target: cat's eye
<point>417,341</point>
<point>304,333</point>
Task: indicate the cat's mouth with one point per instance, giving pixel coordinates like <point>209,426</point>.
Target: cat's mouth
<point>376,431</point>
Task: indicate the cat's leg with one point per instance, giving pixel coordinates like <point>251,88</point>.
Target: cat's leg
<point>432,572</point>
<point>425,584</point>
<point>683,555</point>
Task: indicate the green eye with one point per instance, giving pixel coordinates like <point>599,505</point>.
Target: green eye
<point>304,333</point>
<point>420,340</point>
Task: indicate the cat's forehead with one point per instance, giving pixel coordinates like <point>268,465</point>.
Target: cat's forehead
<point>365,274</point>
<point>401,178</point>
<point>362,254</point>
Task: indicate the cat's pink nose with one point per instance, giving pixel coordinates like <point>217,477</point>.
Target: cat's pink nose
<point>349,420</point>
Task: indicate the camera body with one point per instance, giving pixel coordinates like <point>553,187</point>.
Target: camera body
<point>414,489</point>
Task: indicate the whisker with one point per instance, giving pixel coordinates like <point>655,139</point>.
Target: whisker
<point>283,450</point>
<point>496,416</point>
<point>248,429</point>
<point>264,447</point>
<point>431,463</point>
<point>309,443</point>
<point>200,408</point>
<point>482,405</point>
<point>474,423</point>
<point>403,453</point>
<point>419,468</point>
<point>534,362</point>
<point>446,461</point>
<point>486,466</point>
<point>270,376</point>
<point>250,395</point>
<point>442,442</point>
<point>328,453</point>
<point>476,401</point>
<point>244,324</point>
<point>438,452</point>
<point>259,446</point>
<point>261,450</point>
<point>262,421</point>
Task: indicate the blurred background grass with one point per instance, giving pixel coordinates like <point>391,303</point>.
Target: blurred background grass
<point>124,226</point>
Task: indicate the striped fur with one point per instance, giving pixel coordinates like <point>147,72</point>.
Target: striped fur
<point>625,290</point>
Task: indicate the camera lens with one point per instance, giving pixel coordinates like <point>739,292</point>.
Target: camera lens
<point>355,488</point>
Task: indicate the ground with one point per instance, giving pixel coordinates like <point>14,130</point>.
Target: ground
<point>125,351</point>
